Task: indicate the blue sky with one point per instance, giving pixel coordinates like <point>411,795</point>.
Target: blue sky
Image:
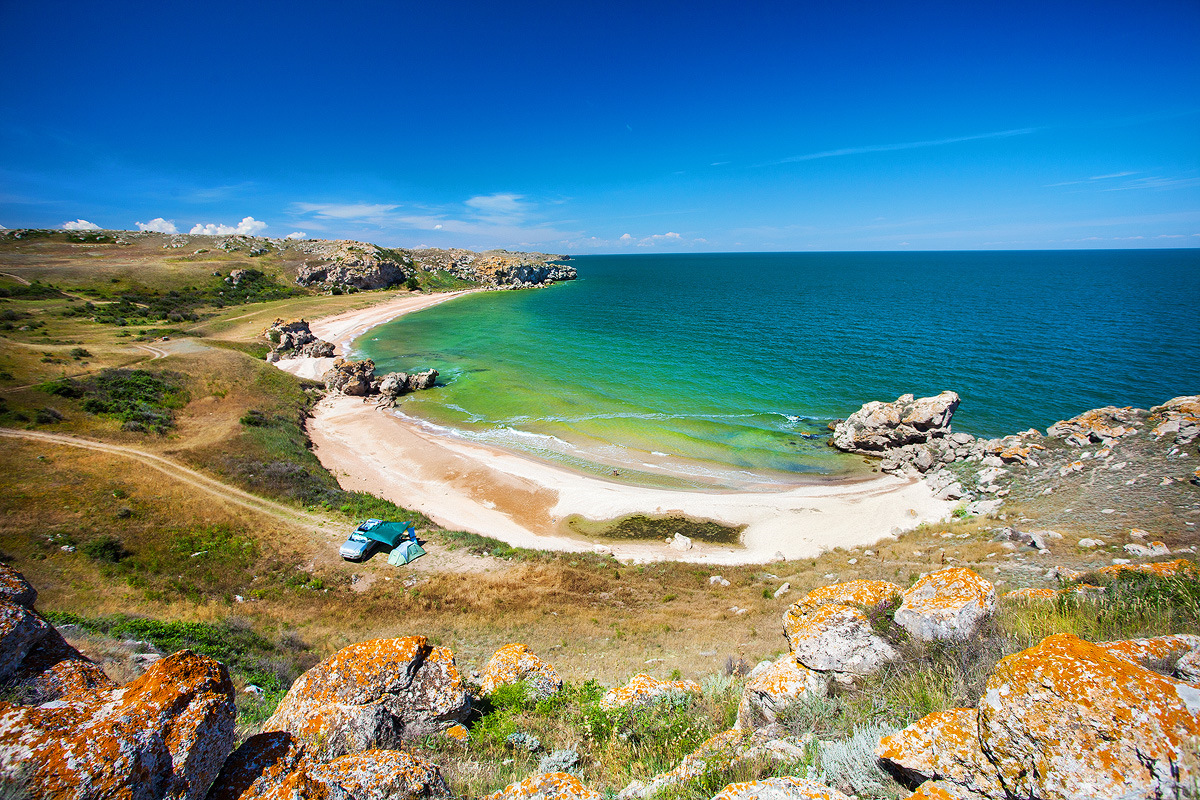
<point>611,127</point>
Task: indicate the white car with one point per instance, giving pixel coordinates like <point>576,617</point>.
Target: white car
<point>357,547</point>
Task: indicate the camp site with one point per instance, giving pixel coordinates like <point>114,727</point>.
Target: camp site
<point>401,537</point>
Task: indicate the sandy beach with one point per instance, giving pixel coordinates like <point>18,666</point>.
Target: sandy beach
<point>463,485</point>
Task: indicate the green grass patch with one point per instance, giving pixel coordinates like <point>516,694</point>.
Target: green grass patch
<point>143,401</point>
<point>649,528</point>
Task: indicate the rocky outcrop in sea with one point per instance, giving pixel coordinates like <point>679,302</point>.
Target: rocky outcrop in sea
<point>357,379</point>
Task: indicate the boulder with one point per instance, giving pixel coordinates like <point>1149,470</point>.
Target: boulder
<point>942,745</point>
<point>943,790</point>
<point>779,789</point>
<point>1099,425</point>
<point>20,630</point>
<point>1157,651</point>
<point>164,734</point>
<point>381,775</point>
<point>551,786</point>
<point>353,378</point>
<point>835,637</point>
<point>395,384</point>
<point>1067,720</point>
<point>718,752</point>
<point>15,589</point>
<point>643,690</point>
<point>1033,595</point>
<point>947,604</point>
<point>256,768</point>
<point>862,593</point>
<point>1178,417</point>
<point>1163,569</point>
<point>878,426</point>
<point>769,690</point>
<point>373,694</point>
<point>516,662</point>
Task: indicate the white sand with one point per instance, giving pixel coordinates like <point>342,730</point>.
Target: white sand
<point>462,485</point>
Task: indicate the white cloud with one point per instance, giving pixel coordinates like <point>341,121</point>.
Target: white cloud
<point>369,212</point>
<point>296,235</point>
<point>249,226</point>
<point>158,225</point>
<point>887,148</point>
<point>498,204</point>
<point>626,238</point>
<point>654,239</point>
<point>80,225</point>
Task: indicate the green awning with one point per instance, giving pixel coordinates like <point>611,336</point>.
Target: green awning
<point>389,533</point>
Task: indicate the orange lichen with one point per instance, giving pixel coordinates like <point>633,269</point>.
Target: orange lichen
<point>549,786</point>
<point>863,593</point>
<point>768,691</point>
<point>516,662</point>
<point>1163,569</point>
<point>946,604</point>
<point>643,689</point>
<point>1032,594</point>
<point>944,744</point>
<point>771,788</point>
<point>1068,719</point>
<point>1159,648</point>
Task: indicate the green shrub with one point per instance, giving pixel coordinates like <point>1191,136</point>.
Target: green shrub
<point>107,549</point>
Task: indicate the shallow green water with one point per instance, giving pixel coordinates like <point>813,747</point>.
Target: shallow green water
<point>725,369</point>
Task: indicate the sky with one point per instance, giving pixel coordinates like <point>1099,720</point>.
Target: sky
<point>610,127</point>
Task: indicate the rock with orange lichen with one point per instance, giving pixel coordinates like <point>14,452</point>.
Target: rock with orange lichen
<point>1178,417</point>
<point>862,593</point>
<point>1160,650</point>
<point>1032,595</point>
<point>550,786</point>
<point>164,734</point>
<point>20,631</point>
<point>643,689</point>
<point>947,604</point>
<point>943,790</point>
<point>380,775</point>
<point>1163,569</point>
<point>1098,425</point>
<point>787,788</point>
<point>373,694</point>
<point>258,767</point>
<point>15,589</point>
<point>514,663</point>
<point>458,733</point>
<point>768,690</point>
<point>716,753</point>
<point>835,637</point>
<point>942,745</point>
<point>1187,668</point>
<point>1067,720</point>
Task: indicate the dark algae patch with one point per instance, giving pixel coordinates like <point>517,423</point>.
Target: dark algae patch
<point>649,528</point>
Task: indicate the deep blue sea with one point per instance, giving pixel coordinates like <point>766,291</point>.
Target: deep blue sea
<point>726,368</point>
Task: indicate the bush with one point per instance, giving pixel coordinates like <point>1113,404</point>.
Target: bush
<point>107,549</point>
<point>142,400</point>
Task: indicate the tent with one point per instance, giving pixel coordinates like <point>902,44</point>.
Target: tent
<point>400,536</point>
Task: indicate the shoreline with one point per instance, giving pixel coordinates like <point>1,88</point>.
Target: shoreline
<point>523,502</point>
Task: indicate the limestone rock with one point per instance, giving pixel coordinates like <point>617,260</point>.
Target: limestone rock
<point>862,593</point>
<point>15,589</point>
<point>164,734</point>
<point>357,264</point>
<point>516,662</point>
<point>373,694</point>
<point>947,604</point>
<point>943,790</point>
<point>1066,720</point>
<point>381,775</point>
<point>1178,417</point>
<point>1157,650</point>
<point>551,786</point>
<point>787,788</point>
<point>395,384</point>
<point>835,637</point>
<point>1032,595</point>
<point>353,378</point>
<point>1163,569</point>
<point>643,689</point>
<point>769,690</point>
<point>20,630</point>
<point>878,426</point>
<point>944,744</point>
<point>1100,425</point>
<point>717,752</point>
<point>261,764</point>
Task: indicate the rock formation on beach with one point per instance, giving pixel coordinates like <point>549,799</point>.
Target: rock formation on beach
<point>357,379</point>
<point>293,339</point>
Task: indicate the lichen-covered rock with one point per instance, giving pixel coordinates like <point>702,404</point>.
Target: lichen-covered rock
<point>15,589</point>
<point>381,775</point>
<point>720,751</point>
<point>1067,720</point>
<point>835,637</point>
<point>1163,569</point>
<point>551,786</point>
<point>643,690</point>
<point>20,630</point>
<point>164,734</point>
<point>1097,425</point>
<point>258,767</point>
<point>768,691</point>
<point>862,593</point>
<point>1178,417</point>
<point>943,790</point>
<point>1158,650</point>
<point>516,662</point>
<point>944,744</point>
<point>878,427</point>
<point>947,604</point>
<point>373,694</point>
<point>1033,595</point>
<point>787,788</point>
<point>353,378</point>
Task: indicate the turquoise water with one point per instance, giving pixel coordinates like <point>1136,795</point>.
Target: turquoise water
<point>725,369</point>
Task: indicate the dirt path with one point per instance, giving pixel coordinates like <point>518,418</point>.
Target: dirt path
<point>323,532</point>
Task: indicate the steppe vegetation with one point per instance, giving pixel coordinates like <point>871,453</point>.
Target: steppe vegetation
<point>119,551</point>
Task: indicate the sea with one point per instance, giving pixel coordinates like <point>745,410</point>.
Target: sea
<point>721,371</point>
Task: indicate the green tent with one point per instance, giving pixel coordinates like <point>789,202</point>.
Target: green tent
<point>389,533</point>
<point>404,553</point>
